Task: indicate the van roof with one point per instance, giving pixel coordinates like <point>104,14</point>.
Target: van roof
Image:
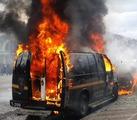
<point>86,52</point>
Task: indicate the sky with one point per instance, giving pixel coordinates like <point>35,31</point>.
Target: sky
<point>122,17</point>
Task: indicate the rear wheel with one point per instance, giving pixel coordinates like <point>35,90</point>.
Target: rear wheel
<point>83,105</point>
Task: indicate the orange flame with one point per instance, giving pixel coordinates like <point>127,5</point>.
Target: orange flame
<point>45,46</point>
<point>50,40</point>
<point>133,88</point>
<point>124,92</point>
<point>134,83</point>
<point>98,43</point>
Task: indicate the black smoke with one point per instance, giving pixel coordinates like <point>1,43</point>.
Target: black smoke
<point>10,18</point>
<point>84,17</point>
<point>35,16</point>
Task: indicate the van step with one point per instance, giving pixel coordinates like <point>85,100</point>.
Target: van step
<point>100,102</point>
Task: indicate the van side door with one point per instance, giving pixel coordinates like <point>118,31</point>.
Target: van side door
<point>101,75</point>
<point>94,80</point>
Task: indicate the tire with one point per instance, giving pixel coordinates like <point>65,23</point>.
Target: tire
<point>115,92</point>
<point>83,105</point>
<point>31,117</point>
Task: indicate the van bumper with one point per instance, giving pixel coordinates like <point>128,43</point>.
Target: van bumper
<point>34,105</point>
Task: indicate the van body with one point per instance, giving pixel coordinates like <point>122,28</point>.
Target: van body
<point>89,82</point>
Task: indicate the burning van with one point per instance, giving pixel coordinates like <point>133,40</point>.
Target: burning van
<point>88,82</point>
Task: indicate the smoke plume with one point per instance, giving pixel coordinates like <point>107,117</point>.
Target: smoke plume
<point>122,51</point>
<point>13,18</point>
<point>84,17</point>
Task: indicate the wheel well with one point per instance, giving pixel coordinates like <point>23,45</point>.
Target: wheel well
<point>85,92</point>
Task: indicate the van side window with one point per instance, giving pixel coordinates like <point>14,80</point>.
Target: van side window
<point>83,62</point>
<point>92,64</point>
<point>100,66</point>
<point>80,64</point>
<point>22,63</point>
<point>75,62</point>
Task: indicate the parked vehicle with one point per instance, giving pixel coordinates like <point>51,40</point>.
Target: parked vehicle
<point>125,81</point>
<point>89,83</point>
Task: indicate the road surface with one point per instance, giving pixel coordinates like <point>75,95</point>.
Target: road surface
<point>125,108</point>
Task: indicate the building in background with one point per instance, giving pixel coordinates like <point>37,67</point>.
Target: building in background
<point>8,45</point>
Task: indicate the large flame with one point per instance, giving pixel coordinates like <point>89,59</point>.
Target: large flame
<point>45,46</point>
<point>98,43</point>
<point>49,40</point>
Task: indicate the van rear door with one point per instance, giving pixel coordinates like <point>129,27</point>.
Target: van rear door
<point>21,77</point>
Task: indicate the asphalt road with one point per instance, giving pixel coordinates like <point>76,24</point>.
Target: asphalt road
<point>125,108</point>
